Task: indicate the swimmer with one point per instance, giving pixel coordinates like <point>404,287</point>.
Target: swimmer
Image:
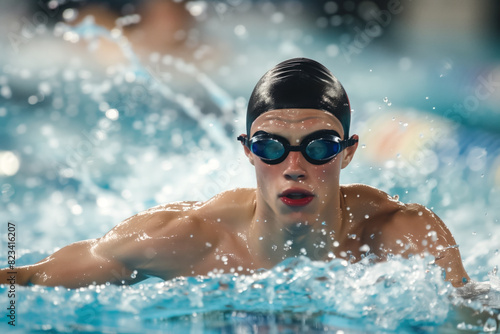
<point>297,138</point>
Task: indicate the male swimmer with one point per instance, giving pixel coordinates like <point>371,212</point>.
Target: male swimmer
<point>298,140</point>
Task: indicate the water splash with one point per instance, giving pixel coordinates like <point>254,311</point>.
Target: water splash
<point>361,296</point>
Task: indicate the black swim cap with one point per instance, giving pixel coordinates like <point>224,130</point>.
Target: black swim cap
<point>299,83</point>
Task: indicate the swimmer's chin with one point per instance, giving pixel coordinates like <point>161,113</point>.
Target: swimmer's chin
<point>298,228</point>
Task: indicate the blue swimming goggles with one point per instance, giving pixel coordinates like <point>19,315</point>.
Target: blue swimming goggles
<point>318,148</point>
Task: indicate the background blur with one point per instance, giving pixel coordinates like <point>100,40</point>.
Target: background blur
<point>111,107</point>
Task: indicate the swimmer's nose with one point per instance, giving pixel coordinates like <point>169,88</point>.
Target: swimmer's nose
<point>294,169</point>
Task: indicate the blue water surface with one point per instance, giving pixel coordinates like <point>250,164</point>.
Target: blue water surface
<point>399,296</point>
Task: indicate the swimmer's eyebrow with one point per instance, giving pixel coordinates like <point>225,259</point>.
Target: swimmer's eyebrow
<point>284,118</point>
<point>326,131</point>
<point>261,132</point>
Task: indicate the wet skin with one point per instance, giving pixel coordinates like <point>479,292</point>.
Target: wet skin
<point>297,208</point>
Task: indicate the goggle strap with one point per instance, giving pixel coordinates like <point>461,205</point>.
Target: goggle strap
<point>349,142</point>
<point>243,139</point>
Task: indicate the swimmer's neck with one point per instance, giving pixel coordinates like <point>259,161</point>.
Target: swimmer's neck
<point>274,238</point>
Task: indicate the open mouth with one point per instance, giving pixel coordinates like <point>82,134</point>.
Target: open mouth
<point>296,197</point>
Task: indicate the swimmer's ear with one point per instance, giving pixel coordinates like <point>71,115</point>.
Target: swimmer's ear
<point>348,153</point>
<point>245,147</point>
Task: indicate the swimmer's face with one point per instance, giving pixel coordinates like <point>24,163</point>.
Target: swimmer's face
<point>295,189</point>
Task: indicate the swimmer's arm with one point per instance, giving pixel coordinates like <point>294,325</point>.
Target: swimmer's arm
<point>415,230</point>
<point>102,260</point>
<point>164,241</point>
<point>73,266</point>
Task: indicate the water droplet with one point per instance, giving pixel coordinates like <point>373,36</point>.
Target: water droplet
<point>33,99</point>
<point>70,14</point>
<point>365,248</point>
<point>112,114</point>
<point>240,31</point>
<point>6,92</point>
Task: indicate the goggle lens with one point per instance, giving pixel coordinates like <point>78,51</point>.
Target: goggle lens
<point>268,149</point>
<point>322,149</point>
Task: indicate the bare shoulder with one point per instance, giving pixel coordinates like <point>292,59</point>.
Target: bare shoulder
<point>233,208</point>
<point>365,193</point>
<point>416,222</point>
<point>158,237</point>
<point>400,228</point>
<point>389,226</point>
<point>184,218</point>
<point>365,201</point>
<point>414,229</point>
<point>392,223</point>
<point>148,242</point>
<point>152,222</point>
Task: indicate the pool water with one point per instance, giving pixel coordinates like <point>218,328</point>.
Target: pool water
<point>399,296</point>
<point>88,148</point>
